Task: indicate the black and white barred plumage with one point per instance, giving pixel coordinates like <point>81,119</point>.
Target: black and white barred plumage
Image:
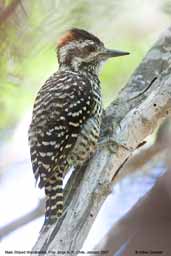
<point>67,113</point>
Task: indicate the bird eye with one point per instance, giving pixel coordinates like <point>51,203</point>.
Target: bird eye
<point>91,48</point>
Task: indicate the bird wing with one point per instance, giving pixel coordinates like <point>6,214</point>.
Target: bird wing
<point>62,106</point>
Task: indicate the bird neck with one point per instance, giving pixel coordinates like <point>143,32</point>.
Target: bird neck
<point>90,68</point>
<point>87,69</point>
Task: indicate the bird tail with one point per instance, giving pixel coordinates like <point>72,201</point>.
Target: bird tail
<point>54,198</point>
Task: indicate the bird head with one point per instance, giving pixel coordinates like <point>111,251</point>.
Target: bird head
<point>81,49</point>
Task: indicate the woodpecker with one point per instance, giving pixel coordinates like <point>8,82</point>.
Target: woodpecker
<point>67,113</point>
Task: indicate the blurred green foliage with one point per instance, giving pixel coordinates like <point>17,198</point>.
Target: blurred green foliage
<point>29,31</point>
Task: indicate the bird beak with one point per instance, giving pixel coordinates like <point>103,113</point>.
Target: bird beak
<point>114,53</point>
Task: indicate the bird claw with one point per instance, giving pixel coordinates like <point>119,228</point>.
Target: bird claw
<point>109,143</point>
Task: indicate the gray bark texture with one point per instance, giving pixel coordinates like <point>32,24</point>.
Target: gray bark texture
<point>139,108</point>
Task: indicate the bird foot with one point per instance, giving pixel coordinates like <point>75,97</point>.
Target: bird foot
<point>112,145</point>
<point>108,142</point>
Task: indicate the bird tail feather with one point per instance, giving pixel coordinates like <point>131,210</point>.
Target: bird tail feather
<point>54,198</point>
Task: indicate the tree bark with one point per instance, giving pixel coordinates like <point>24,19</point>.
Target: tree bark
<point>146,227</point>
<point>140,107</point>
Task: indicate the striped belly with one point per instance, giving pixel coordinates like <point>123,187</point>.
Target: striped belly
<point>86,142</point>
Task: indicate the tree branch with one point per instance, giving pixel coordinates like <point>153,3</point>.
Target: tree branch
<point>21,221</point>
<point>148,154</point>
<point>148,223</point>
<point>139,108</point>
